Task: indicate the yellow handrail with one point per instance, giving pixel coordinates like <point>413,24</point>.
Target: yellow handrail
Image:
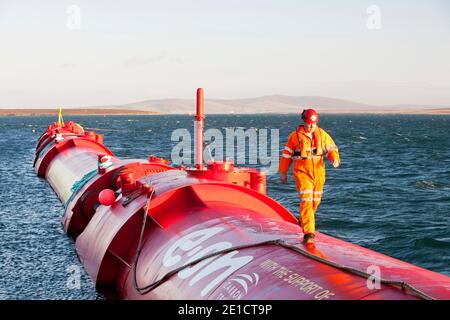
<point>60,117</point>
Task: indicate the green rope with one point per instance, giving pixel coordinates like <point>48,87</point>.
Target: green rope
<point>52,143</point>
<point>80,183</point>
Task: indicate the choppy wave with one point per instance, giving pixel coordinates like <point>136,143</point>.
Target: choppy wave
<point>428,184</point>
<point>433,243</point>
<point>390,197</point>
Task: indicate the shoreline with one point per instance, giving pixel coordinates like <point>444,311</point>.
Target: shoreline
<point>128,112</point>
<point>72,112</point>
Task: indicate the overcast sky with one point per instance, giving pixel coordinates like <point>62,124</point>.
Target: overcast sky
<point>85,53</point>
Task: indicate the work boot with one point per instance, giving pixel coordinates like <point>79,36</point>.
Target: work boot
<point>308,238</point>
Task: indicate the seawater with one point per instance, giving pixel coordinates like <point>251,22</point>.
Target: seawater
<point>391,194</point>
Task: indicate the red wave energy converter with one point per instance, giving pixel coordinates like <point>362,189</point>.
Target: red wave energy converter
<point>149,230</point>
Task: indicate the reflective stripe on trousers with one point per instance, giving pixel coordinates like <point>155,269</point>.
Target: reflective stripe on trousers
<point>310,193</point>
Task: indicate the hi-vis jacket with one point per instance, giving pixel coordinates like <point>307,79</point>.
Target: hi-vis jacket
<point>307,152</point>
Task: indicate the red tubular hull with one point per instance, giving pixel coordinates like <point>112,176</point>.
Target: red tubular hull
<point>244,245</point>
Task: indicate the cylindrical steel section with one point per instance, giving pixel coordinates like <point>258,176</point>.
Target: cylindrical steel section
<point>70,168</point>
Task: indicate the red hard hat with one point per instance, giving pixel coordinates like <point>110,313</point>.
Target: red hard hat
<point>310,116</point>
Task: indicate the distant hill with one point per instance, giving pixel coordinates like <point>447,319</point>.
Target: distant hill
<point>270,104</point>
<point>265,104</point>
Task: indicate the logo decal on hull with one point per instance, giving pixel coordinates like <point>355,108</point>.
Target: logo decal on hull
<point>191,247</point>
<point>242,279</point>
<point>237,287</point>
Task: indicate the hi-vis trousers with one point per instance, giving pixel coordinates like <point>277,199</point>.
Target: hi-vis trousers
<point>310,191</point>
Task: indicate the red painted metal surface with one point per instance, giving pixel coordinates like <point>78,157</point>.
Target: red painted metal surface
<point>199,125</point>
<point>217,209</point>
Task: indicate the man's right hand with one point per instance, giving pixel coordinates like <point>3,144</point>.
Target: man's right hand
<point>284,178</point>
<point>336,163</point>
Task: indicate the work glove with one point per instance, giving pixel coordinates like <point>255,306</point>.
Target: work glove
<point>336,163</point>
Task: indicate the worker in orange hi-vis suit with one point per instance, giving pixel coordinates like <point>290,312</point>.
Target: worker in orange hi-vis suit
<point>307,146</point>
